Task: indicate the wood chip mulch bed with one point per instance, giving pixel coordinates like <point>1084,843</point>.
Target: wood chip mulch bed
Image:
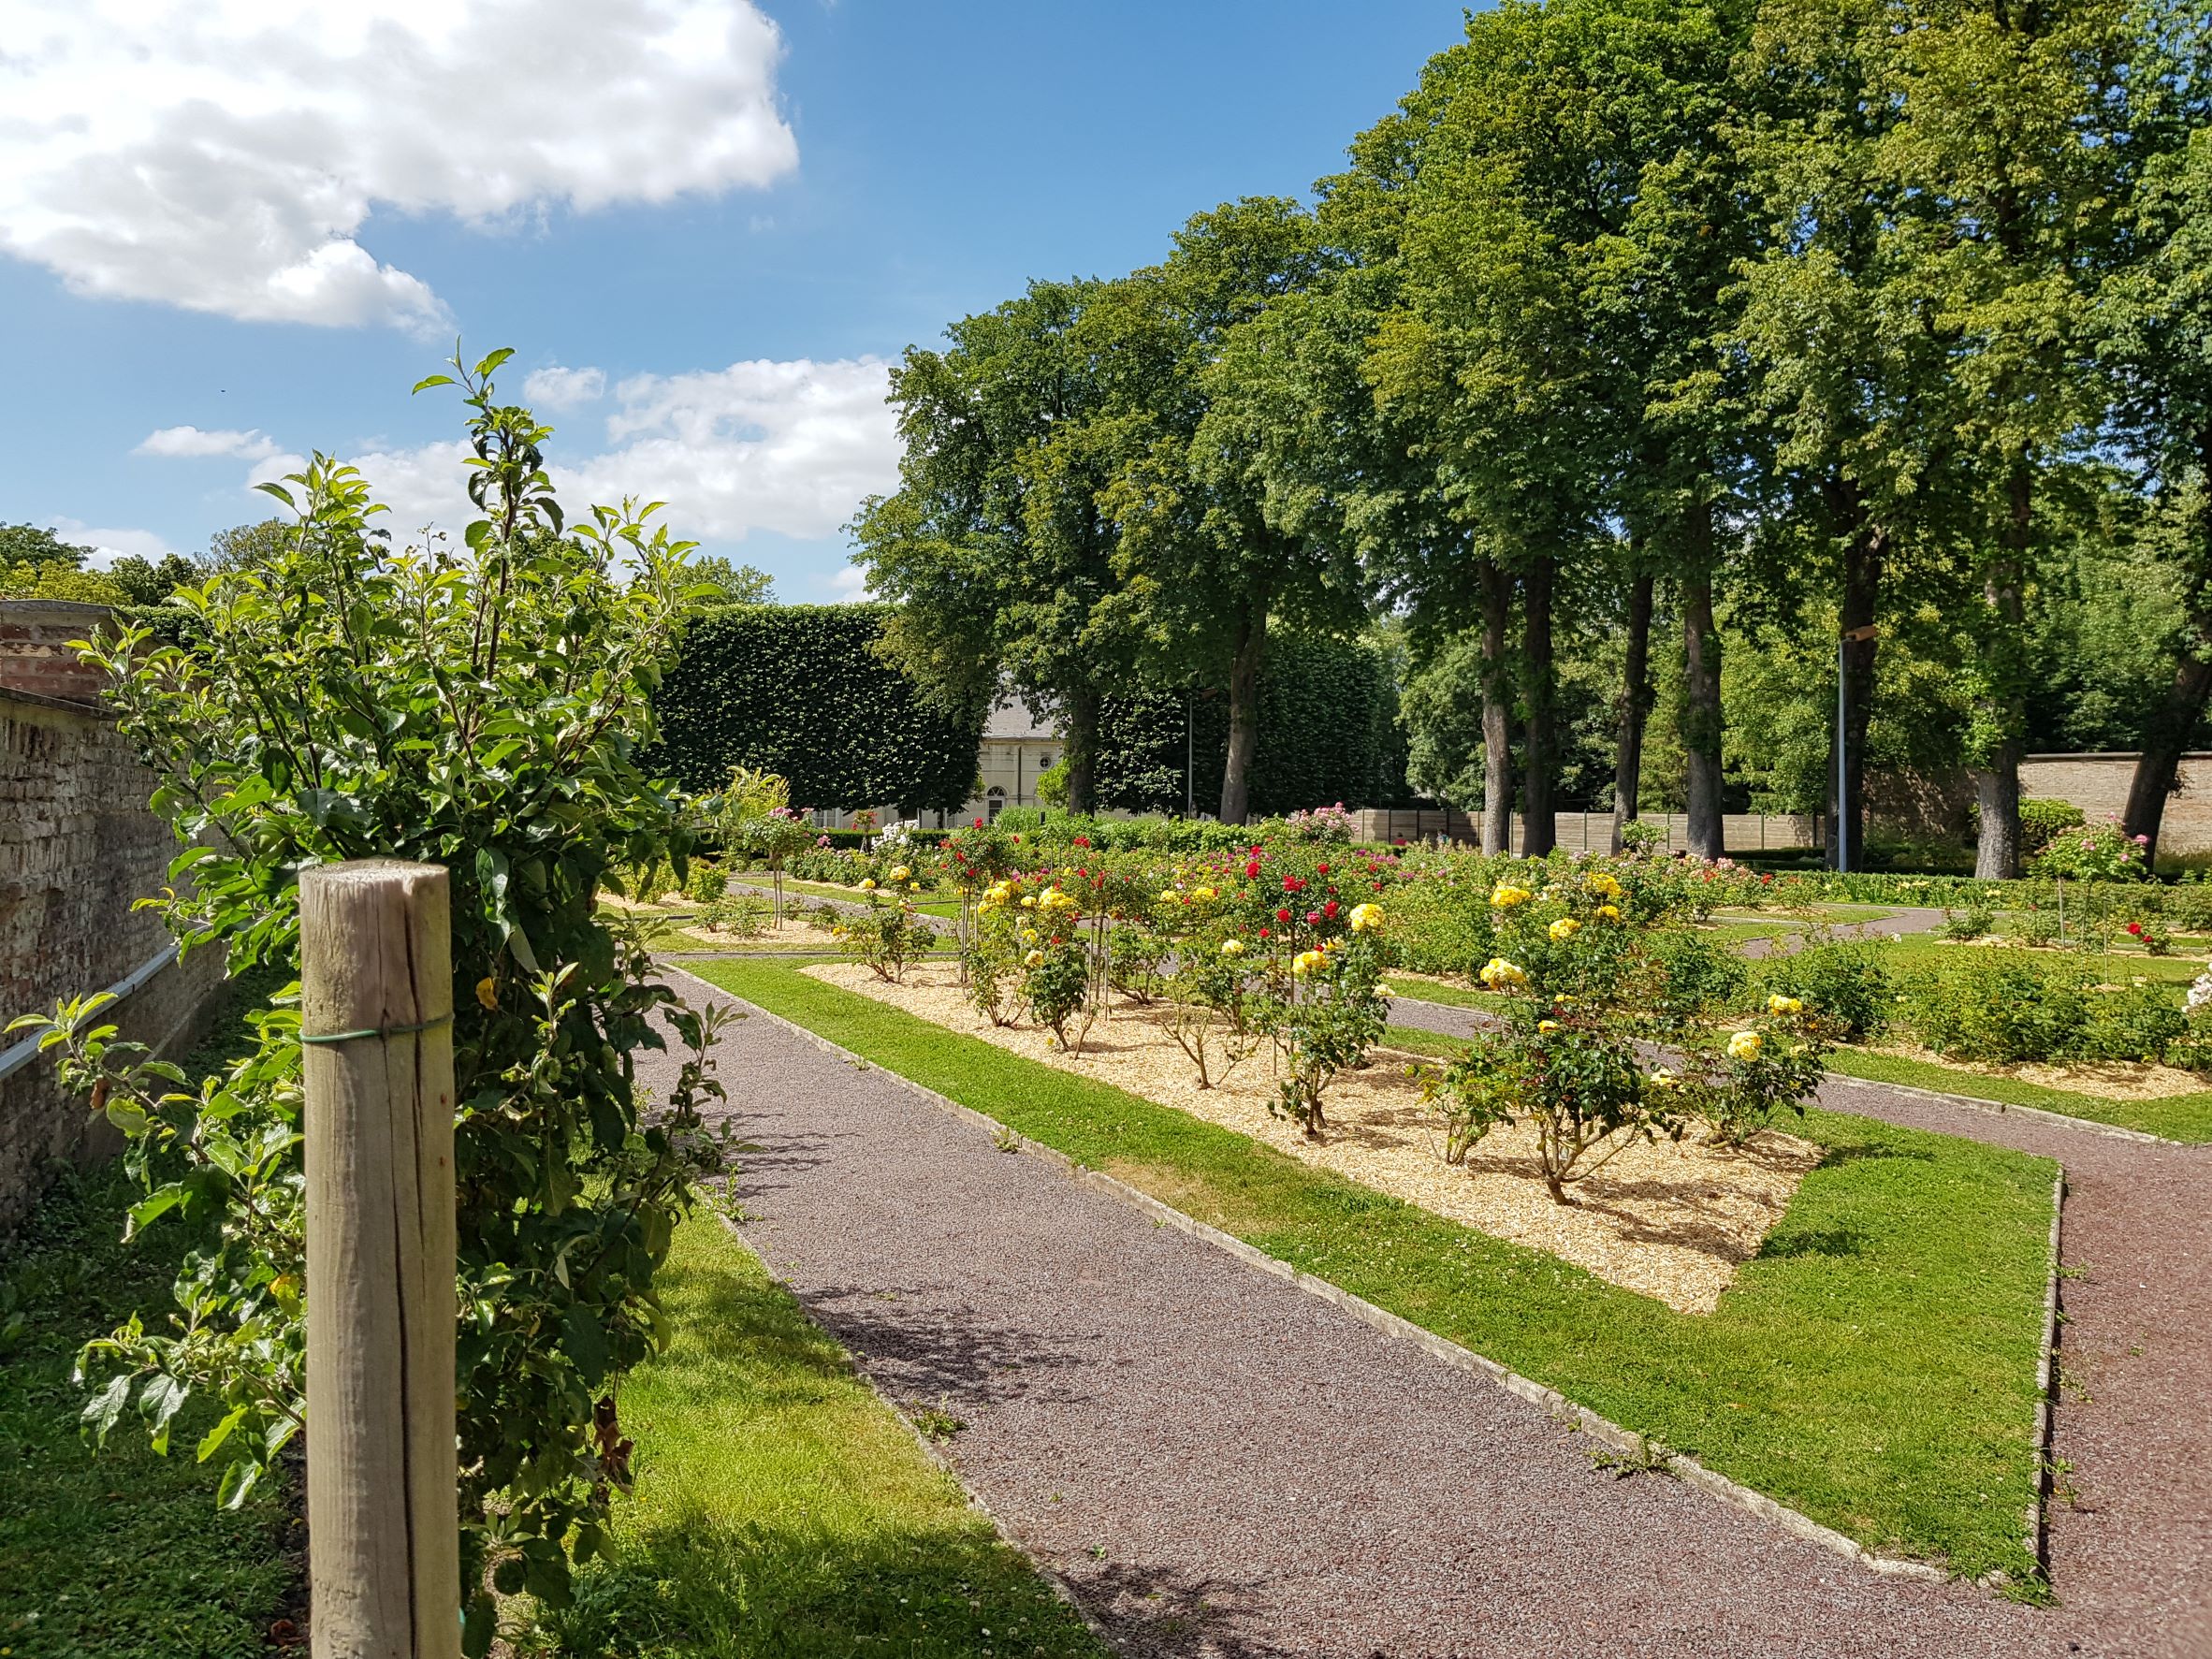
<point>1673,1220</point>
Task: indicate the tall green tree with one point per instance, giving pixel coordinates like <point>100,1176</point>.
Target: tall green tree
<point>996,545</point>
<point>2006,171</point>
<point>2154,325</point>
<point>1218,538</point>
<point>1843,365</point>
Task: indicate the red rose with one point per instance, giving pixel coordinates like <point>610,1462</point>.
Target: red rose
<point>1329,910</point>
<point>1283,915</point>
<point>1320,869</point>
<point>1263,932</point>
<point>1252,869</point>
<point>1082,840</point>
<point>2135,928</point>
<point>1312,918</point>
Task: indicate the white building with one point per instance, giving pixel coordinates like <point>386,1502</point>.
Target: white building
<point>1015,748</point>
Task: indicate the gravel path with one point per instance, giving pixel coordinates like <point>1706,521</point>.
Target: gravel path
<point>1220,1465</point>
<point>1905,919</point>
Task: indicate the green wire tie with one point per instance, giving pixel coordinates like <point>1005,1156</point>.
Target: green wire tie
<point>374,1031</point>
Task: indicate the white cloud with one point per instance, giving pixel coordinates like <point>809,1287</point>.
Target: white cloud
<point>189,441</point>
<point>558,388</point>
<point>791,448</point>
<point>786,447</point>
<point>223,154</point>
<point>107,546</point>
<point>849,586</point>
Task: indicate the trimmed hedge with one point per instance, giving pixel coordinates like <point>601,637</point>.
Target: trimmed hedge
<point>798,690</point>
<point>1328,732</point>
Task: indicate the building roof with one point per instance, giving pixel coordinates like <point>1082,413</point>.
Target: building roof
<point>1011,718</point>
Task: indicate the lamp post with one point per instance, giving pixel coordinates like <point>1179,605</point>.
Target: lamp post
<point>1850,637</point>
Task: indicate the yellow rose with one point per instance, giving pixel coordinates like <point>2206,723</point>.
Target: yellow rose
<point>1028,901</point>
<point>1169,896</point>
<point>1306,961</point>
<point>1206,895</point>
<point>1565,929</point>
<point>1497,973</point>
<point>1784,1005</point>
<point>1028,936</point>
<point>900,873</point>
<point>1664,1079</point>
<point>1366,918</point>
<point>1505,896</point>
<point>867,883</point>
<point>1034,959</point>
<point>1602,883</point>
<point>1745,1046</point>
<point>1232,947</point>
<point>1547,1024</point>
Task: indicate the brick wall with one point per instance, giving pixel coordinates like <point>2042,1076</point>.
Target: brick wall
<point>76,847</point>
<point>2098,784</point>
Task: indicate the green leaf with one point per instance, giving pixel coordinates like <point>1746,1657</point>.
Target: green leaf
<point>428,381</point>
<point>106,1407</point>
<point>211,1441</point>
<point>585,1344</point>
<point>156,1204</point>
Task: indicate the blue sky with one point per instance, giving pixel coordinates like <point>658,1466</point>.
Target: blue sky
<point>720,228</point>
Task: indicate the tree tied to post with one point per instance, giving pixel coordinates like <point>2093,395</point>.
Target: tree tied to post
<point>480,706</point>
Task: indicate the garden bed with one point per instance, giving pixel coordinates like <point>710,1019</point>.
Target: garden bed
<point>1671,1219</point>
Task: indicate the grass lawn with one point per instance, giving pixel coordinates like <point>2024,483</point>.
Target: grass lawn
<point>116,1554</point>
<point>1442,991</point>
<point>783,1510</point>
<point>760,883</point>
<point>2178,1118</point>
<point>1919,952</point>
<point>1874,1367</point>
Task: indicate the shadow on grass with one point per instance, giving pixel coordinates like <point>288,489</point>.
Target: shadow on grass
<point>700,1586</point>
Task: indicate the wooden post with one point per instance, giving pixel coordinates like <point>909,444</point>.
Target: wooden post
<point>376,982</point>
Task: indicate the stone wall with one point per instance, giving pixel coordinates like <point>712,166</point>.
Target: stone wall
<point>2098,784</point>
<point>76,847</point>
<point>1741,832</point>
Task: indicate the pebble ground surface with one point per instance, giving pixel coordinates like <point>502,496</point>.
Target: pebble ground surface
<point>1222,1466</point>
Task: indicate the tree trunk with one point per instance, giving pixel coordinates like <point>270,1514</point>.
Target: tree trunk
<point>2159,769</point>
<point>1244,711</point>
<point>1539,785</point>
<point>1497,711</point>
<point>1866,552</point>
<point>1701,688</point>
<point>1997,781</point>
<point>1081,709</point>
<point>1636,707</point>
<point>2183,706</point>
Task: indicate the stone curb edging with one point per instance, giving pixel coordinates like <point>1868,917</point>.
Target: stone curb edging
<point>1645,1452</point>
<point>1053,1580</point>
<point>2039,1507</point>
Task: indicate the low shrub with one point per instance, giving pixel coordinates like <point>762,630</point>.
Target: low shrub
<point>1844,985</point>
<point>1972,923</point>
<point>2137,1022</point>
<point>1324,1022</point>
<point>1999,1005</point>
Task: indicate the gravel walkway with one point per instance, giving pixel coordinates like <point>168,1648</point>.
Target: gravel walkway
<point>1220,1465</point>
